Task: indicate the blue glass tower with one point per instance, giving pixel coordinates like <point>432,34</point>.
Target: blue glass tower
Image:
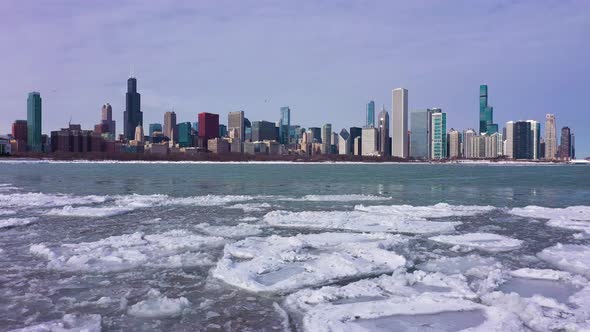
<point>284,125</point>
<point>370,114</point>
<point>34,122</point>
<point>486,113</point>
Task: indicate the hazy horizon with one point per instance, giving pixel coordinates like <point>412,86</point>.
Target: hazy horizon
<point>324,59</point>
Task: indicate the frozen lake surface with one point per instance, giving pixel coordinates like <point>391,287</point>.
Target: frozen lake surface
<point>294,247</point>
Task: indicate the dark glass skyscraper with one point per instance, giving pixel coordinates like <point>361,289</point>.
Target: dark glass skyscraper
<point>486,113</point>
<point>370,114</point>
<point>522,140</point>
<point>34,142</point>
<point>284,125</point>
<point>133,116</point>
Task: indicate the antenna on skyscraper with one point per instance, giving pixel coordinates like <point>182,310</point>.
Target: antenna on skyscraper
<point>131,70</point>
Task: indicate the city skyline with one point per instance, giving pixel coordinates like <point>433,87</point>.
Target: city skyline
<point>536,79</point>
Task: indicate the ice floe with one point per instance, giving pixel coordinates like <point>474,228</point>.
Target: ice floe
<point>69,322</point>
<point>13,222</point>
<point>357,221</point>
<point>87,211</point>
<point>568,257</point>
<point>177,248</point>
<point>157,305</point>
<point>440,210</point>
<point>4,212</point>
<point>240,230</point>
<point>483,241</point>
<point>338,198</point>
<point>19,200</point>
<point>572,217</point>
<point>251,207</point>
<point>403,301</point>
<point>282,264</point>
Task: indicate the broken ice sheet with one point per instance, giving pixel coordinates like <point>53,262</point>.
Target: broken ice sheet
<point>483,241</point>
<point>283,264</point>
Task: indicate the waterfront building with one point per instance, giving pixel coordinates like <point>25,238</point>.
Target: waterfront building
<point>222,130</point>
<point>354,133</point>
<point>170,125</point>
<point>370,136</point>
<point>399,118</point>
<point>454,144</point>
<point>326,138</point>
<point>358,146</point>
<point>522,140</point>
<point>284,125</point>
<point>107,119</point>
<point>34,123</point>
<point>139,136</point>
<point>235,125</point>
<point>383,143</point>
<point>565,148</point>
<point>536,136</point>
<point>154,127</point>
<point>550,137</point>
<point>20,130</point>
<point>208,125</point>
<point>344,142</point>
<point>573,146</point>
<point>316,135</point>
<point>263,130</point>
<point>486,113</point>
<point>133,116</point>
<point>370,114</point>
<point>420,138</point>
<point>184,137</point>
<point>75,140</point>
<point>509,143</point>
<point>218,145</point>
<point>438,136</point>
<point>468,137</point>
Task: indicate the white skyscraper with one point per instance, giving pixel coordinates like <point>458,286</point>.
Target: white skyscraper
<point>399,117</point>
<point>454,144</point>
<point>369,142</point>
<point>535,131</point>
<point>550,137</point>
<point>509,148</point>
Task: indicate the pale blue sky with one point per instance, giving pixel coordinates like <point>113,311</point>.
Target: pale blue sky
<point>325,59</point>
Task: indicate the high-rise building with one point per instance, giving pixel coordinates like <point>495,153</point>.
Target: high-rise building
<point>235,125</point>
<point>208,125</point>
<point>536,136</point>
<point>170,125</point>
<point>383,144</point>
<point>354,133</point>
<point>263,131</point>
<point>107,119</point>
<point>326,138</point>
<point>370,137</point>
<point>468,143</point>
<point>133,116</point>
<point>438,136</point>
<point>420,138</point>
<point>316,135</point>
<point>34,122</point>
<point>565,148</point>
<point>573,146</point>
<point>486,113</point>
<point>222,130</point>
<point>284,125</point>
<point>370,114</point>
<point>522,139</point>
<point>399,116</point>
<point>550,137</point>
<point>184,137</point>
<point>509,137</point>
<point>154,127</point>
<point>20,130</point>
<point>454,144</point>
<point>344,142</point>
<point>139,137</point>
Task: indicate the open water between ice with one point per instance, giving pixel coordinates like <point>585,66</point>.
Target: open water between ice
<point>279,247</point>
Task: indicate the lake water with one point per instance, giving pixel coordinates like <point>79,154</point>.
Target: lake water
<point>248,247</point>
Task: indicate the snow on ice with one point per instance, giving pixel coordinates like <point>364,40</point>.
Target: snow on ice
<point>483,241</point>
<point>282,264</point>
<point>572,217</point>
<point>13,222</point>
<point>157,305</point>
<point>568,257</point>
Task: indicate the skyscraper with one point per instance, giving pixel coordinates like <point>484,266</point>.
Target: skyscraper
<point>133,116</point>
<point>185,138</point>
<point>235,125</point>
<point>326,138</point>
<point>354,133</point>
<point>536,136</point>
<point>263,130</point>
<point>107,119</point>
<point>20,130</point>
<point>208,125</point>
<point>486,113</point>
<point>344,143</point>
<point>454,144</point>
<point>565,148</point>
<point>370,114</point>
<point>154,127</point>
<point>316,135</point>
<point>369,142</point>
<point>438,136</point>
<point>550,137</point>
<point>284,125</point>
<point>399,116</point>
<point>34,122</point>
<point>420,138</point>
<point>522,140</point>
<point>468,144</point>
<point>383,144</point>
<point>139,137</point>
<point>509,146</point>
<point>170,125</point>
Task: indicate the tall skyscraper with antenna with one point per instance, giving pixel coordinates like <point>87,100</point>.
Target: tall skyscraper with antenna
<point>133,116</point>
